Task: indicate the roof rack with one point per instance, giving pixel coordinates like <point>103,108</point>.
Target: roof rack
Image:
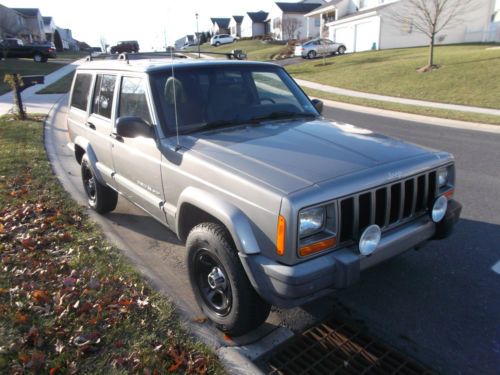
<point>125,56</point>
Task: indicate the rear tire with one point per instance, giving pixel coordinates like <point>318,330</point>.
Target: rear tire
<point>217,44</point>
<point>219,282</point>
<point>100,197</point>
<point>38,58</point>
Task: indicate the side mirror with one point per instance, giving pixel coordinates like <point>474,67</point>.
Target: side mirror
<point>131,127</point>
<point>318,104</point>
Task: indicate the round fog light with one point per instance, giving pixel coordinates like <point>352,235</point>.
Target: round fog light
<point>369,239</point>
<point>439,209</point>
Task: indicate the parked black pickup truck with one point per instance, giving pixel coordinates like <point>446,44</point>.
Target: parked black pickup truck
<point>15,48</point>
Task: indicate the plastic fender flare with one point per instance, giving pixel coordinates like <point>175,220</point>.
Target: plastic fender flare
<point>228,214</point>
<point>89,151</point>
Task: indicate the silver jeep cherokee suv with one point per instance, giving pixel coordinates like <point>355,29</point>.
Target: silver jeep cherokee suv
<point>276,205</point>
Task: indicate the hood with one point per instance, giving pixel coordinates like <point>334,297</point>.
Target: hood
<point>292,155</point>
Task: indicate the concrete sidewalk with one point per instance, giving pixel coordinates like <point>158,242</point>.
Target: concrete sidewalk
<point>392,99</point>
<point>33,102</point>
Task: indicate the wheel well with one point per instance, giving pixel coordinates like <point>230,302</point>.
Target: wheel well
<point>191,216</point>
<point>79,152</point>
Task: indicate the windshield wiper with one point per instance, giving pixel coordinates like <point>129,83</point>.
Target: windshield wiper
<point>282,115</point>
<point>214,125</point>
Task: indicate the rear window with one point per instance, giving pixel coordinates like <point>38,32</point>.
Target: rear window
<point>81,90</point>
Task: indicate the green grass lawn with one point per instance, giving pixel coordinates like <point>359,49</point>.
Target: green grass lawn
<point>61,86</point>
<point>425,111</point>
<point>69,301</point>
<point>255,49</point>
<point>469,74</point>
<point>24,67</point>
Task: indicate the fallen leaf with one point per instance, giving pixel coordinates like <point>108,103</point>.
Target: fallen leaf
<point>200,320</point>
<point>28,243</point>
<point>175,366</point>
<point>1,228</point>
<point>66,236</point>
<point>40,296</point>
<point>54,371</point>
<point>20,317</point>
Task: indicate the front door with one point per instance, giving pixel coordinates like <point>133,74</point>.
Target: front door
<point>137,160</point>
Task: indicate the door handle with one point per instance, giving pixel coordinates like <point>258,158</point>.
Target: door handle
<point>90,125</point>
<point>116,136</point>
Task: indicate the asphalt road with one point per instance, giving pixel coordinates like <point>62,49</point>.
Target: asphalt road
<point>440,305</point>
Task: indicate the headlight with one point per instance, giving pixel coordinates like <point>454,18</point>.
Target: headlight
<point>443,177</point>
<point>311,221</point>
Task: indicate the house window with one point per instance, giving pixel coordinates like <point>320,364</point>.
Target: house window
<point>317,22</point>
<point>407,26</point>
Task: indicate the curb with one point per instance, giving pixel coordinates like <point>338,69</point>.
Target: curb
<point>437,121</point>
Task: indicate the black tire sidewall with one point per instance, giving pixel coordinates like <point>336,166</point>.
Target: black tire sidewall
<point>311,54</point>
<point>242,317</point>
<point>105,197</point>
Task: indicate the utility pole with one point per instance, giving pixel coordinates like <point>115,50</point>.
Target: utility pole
<point>198,35</point>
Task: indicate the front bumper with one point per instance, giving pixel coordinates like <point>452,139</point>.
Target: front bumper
<point>289,286</point>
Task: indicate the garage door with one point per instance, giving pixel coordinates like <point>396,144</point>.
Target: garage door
<point>367,34</point>
<point>345,35</point>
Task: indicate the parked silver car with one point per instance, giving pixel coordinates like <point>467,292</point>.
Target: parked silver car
<point>319,47</point>
<point>217,40</point>
<point>276,205</point>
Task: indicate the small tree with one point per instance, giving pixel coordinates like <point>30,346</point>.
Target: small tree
<point>16,82</point>
<point>430,17</point>
<point>290,25</point>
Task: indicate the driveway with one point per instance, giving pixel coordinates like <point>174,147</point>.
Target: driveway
<point>440,305</point>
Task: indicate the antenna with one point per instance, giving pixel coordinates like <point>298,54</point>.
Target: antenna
<point>177,146</point>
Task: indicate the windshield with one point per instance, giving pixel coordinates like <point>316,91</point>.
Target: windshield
<point>209,97</point>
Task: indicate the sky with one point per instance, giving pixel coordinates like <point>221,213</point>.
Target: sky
<point>148,21</point>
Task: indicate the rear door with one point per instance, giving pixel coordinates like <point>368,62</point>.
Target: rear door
<point>100,123</point>
<point>137,160</point>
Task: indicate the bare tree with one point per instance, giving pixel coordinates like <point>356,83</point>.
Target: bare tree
<point>430,17</point>
<point>290,26</point>
<point>104,44</point>
<point>10,26</point>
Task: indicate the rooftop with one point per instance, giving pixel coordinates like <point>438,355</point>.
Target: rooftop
<point>223,23</point>
<point>259,16</point>
<point>29,12</point>
<point>297,7</point>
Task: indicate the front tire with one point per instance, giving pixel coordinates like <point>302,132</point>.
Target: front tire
<point>219,282</point>
<point>341,50</point>
<point>100,197</point>
<point>217,44</point>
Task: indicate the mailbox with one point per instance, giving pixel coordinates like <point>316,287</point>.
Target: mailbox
<point>29,81</point>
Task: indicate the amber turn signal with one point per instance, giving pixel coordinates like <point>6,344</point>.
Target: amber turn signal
<point>280,236</point>
<point>317,246</point>
<point>449,194</point>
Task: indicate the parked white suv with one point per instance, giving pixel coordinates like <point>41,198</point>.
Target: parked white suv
<point>217,40</point>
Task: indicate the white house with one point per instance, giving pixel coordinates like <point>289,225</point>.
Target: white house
<point>255,24</point>
<point>287,19</point>
<point>235,25</point>
<point>220,25</point>
<point>186,40</point>
<point>367,24</point>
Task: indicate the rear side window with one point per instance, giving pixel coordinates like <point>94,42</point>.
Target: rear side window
<point>103,95</point>
<point>133,100</point>
<point>81,90</point>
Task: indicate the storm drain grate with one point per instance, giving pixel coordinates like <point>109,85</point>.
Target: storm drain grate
<point>333,347</point>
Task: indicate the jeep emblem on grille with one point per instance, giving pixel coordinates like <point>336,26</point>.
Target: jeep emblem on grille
<point>397,175</point>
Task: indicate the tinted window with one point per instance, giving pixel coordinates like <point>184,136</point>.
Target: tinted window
<point>224,95</point>
<point>81,90</point>
<point>103,95</point>
<point>133,98</point>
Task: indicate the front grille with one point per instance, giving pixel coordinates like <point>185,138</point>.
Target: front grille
<point>386,206</point>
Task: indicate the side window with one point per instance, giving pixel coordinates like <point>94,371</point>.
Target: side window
<point>103,95</point>
<point>80,96</point>
<point>133,99</point>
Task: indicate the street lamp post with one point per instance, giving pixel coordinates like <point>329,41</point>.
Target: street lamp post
<point>198,35</point>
